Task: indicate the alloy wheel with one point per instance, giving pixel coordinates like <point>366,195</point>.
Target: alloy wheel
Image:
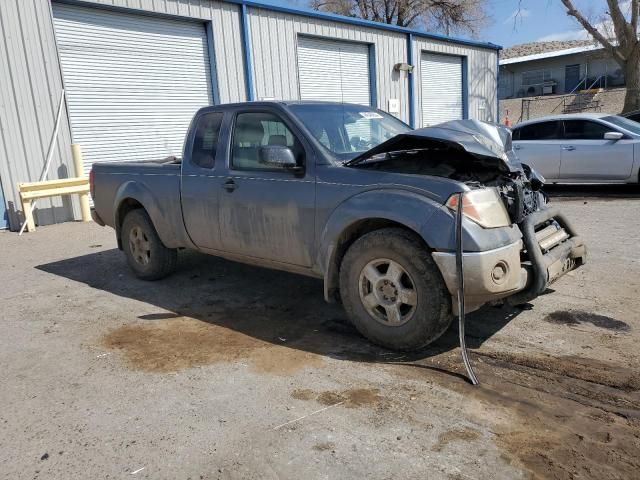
<point>388,292</point>
<point>140,246</point>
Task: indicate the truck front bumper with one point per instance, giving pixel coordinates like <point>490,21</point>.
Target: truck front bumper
<point>520,271</point>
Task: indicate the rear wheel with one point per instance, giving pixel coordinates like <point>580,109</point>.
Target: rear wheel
<point>146,254</point>
<point>392,290</point>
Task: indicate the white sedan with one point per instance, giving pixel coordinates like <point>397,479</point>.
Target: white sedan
<point>580,148</point>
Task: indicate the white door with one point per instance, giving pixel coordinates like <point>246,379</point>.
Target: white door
<point>334,71</point>
<point>133,82</point>
<point>441,88</point>
<point>587,156</point>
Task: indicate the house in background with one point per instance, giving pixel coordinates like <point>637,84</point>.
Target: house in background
<point>556,68</point>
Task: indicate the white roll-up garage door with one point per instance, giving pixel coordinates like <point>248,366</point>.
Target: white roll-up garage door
<point>133,82</point>
<point>441,79</point>
<point>334,71</point>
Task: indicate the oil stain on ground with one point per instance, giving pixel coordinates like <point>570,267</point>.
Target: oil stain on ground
<point>565,419</point>
<point>352,398</point>
<point>181,343</point>
<point>577,317</point>
<point>461,435</point>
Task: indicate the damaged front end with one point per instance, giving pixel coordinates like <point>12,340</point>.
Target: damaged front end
<point>480,155</point>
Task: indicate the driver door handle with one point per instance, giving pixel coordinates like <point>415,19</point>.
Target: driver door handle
<point>229,185</point>
<point>569,148</point>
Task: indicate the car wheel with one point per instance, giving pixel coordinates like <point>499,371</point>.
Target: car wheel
<point>392,290</point>
<point>146,254</point>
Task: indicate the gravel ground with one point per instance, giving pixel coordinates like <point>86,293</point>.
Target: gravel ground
<point>230,371</point>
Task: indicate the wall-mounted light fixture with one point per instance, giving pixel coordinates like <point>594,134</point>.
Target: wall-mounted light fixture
<point>403,67</point>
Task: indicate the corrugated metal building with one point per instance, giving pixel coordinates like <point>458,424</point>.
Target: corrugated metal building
<point>136,70</point>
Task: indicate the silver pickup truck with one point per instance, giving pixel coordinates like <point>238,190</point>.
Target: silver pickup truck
<point>351,195</point>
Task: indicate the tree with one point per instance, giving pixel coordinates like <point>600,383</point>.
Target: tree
<point>618,34</point>
<point>447,16</point>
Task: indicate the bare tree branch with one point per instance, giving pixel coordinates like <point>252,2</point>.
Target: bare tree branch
<point>625,49</point>
<point>593,31</point>
<point>619,22</point>
<point>518,13</point>
<point>445,15</point>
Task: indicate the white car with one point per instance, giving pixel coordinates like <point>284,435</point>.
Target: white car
<point>580,148</point>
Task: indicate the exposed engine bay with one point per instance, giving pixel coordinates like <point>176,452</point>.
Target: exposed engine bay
<point>480,155</point>
<point>476,153</point>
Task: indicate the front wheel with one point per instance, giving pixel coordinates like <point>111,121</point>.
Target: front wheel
<point>393,291</point>
<point>146,254</point>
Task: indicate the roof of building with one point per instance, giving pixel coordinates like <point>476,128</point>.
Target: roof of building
<point>540,50</point>
<point>307,12</point>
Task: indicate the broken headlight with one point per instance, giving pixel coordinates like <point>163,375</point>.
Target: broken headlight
<point>484,206</point>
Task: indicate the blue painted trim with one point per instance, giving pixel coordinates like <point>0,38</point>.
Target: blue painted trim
<point>4,213</point>
<point>498,86</point>
<point>246,50</point>
<point>363,23</point>
<point>465,88</point>
<point>215,92</point>
<point>411,80</point>
<point>373,83</point>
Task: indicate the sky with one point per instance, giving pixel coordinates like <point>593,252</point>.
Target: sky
<point>537,20</point>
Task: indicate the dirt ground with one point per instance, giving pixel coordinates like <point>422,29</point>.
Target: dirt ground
<point>230,371</point>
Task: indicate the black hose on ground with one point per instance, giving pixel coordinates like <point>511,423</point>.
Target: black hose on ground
<point>460,276</point>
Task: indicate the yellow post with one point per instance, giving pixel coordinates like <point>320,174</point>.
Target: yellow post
<point>85,210</point>
<point>27,209</point>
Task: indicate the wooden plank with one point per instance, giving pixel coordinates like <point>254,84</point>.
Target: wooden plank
<point>49,184</point>
<point>52,192</point>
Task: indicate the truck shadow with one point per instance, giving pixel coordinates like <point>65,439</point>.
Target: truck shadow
<point>267,305</point>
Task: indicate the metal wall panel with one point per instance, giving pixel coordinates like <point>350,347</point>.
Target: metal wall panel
<point>441,88</point>
<point>482,75</point>
<point>31,83</point>
<point>274,38</point>
<point>333,71</point>
<point>30,90</point>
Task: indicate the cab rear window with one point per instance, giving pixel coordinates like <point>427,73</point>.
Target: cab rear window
<point>205,142</point>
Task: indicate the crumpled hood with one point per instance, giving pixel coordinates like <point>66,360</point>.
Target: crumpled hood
<point>488,143</point>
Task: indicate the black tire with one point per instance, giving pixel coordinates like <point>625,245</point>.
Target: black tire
<point>154,262</point>
<point>425,320</point>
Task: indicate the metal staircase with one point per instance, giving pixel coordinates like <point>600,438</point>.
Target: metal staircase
<point>578,100</point>
<point>583,101</point>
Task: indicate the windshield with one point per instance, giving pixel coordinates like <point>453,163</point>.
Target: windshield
<point>622,122</point>
<point>348,130</point>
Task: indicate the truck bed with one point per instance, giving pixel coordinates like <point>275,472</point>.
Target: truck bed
<point>157,181</point>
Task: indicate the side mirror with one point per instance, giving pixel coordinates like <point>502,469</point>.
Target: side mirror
<point>613,135</point>
<point>277,156</point>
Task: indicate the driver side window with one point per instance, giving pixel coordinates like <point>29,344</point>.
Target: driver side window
<point>254,130</point>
